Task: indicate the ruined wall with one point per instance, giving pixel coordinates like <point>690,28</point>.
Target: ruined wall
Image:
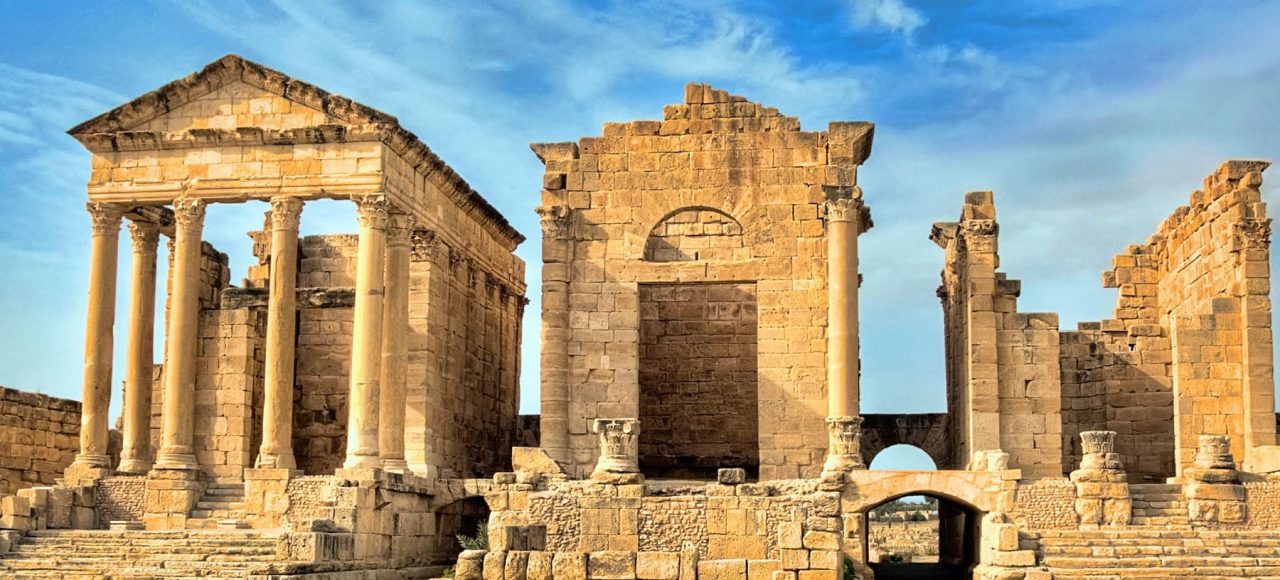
<point>39,437</point>
<point>463,391</point>
<point>1188,351</point>
<point>1002,365</point>
<point>721,189</point>
<point>698,404</point>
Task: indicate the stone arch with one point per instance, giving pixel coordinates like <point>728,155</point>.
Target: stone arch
<point>696,233</point>
<point>740,206</point>
<point>975,490</point>
<point>926,431</point>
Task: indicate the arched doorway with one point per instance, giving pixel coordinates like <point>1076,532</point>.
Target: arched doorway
<point>919,533</point>
<point>467,517</point>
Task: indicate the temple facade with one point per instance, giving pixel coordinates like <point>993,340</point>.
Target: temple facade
<point>350,407</point>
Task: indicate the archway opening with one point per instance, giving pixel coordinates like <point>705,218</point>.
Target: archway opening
<point>921,535</point>
<point>463,521</point>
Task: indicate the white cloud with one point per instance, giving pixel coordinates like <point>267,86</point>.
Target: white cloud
<point>887,15</point>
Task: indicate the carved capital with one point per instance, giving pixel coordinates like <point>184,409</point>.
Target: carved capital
<point>399,230</point>
<point>106,218</point>
<point>1099,451</point>
<point>457,260</point>
<point>371,210</point>
<point>145,236</point>
<point>619,448</point>
<point>188,213</point>
<point>1253,233</point>
<point>555,221</point>
<point>844,439</point>
<point>1214,452</point>
<point>980,235</point>
<point>424,246</point>
<point>286,213</point>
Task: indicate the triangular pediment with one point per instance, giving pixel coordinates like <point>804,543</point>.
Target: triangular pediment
<point>231,93</point>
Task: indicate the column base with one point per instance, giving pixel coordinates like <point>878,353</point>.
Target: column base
<point>362,462</point>
<point>90,460</point>
<point>130,466</point>
<point>171,495</point>
<point>177,461</point>
<point>396,466</point>
<point>275,460</point>
<point>82,474</point>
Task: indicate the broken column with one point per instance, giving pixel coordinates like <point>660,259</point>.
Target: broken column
<point>619,461</point>
<point>1212,484</point>
<point>1102,489</point>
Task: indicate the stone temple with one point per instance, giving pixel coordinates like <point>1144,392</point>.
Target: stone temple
<point>351,406</point>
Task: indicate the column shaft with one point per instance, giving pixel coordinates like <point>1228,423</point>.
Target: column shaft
<point>282,314</point>
<point>842,302</point>
<point>395,346</point>
<point>366,344</point>
<point>176,450</point>
<point>557,255</point>
<point>135,454</point>
<point>98,344</point>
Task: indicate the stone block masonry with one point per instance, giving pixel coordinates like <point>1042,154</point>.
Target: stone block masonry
<point>39,436</point>
<point>698,400</point>
<point>720,190</point>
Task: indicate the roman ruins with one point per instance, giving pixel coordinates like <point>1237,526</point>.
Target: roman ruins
<point>352,404</point>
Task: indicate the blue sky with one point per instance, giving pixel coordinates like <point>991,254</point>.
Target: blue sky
<point>1091,120</point>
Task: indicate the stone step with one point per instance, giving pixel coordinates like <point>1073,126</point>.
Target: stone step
<point>219,505</point>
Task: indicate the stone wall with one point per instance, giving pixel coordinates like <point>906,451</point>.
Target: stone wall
<point>1188,351</point>
<point>698,403</point>
<point>120,498</point>
<point>463,374</point>
<point>1045,504</point>
<point>721,189</point>
<point>1002,365</point>
<point>39,437</point>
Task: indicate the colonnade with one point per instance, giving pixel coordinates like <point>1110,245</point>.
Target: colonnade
<point>379,344</point>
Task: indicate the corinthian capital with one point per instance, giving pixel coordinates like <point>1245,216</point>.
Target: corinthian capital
<point>145,236</point>
<point>106,218</point>
<point>399,229</point>
<point>371,210</point>
<point>554,220</point>
<point>188,212</point>
<point>286,213</point>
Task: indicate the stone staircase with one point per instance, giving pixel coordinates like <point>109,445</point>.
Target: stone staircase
<point>221,506</point>
<point>1156,504</point>
<point>83,554</point>
<point>1123,553</point>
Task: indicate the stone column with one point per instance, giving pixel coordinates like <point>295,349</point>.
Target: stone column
<point>135,454</point>
<point>395,345</point>
<point>845,218</point>
<point>366,344</point>
<point>282,319</point>
<point>93,461</point>
<point>176,451</point>
<point>557,258</point>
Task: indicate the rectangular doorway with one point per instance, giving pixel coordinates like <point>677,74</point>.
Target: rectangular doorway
<point>698,384</point>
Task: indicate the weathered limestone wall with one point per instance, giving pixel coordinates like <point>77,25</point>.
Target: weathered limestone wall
<point>1002,365</point>
<point>698,404</point>
<point>463,356</point>
<point>721,189</point>
<point>39,436</point>
<point>1188,351</point>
